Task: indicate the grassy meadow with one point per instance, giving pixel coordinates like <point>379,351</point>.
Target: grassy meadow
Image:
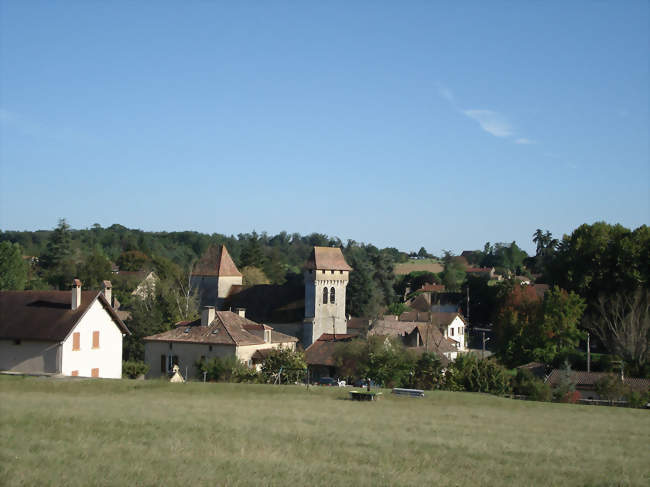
<point>103,432</point>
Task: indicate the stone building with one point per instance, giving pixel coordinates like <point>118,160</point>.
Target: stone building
<point>215,334</point>
<point>215,276</point>
<point>326,278</point>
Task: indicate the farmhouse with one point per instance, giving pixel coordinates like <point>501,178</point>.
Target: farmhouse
<point>73,333</point>
<point>215,334</point>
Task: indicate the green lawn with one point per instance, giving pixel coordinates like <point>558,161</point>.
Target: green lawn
<point>102,432</point>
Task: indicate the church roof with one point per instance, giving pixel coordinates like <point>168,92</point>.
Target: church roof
<point>216,261</point>
<point>327,259</point>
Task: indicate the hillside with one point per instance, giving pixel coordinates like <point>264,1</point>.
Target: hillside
<point>82,432</point>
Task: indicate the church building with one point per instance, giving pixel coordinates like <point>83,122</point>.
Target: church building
<point>326,278</point>
<point>305,314</point>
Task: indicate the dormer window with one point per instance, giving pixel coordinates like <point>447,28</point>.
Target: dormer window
<point>267,336</point>
<point>332,295</point>
<point>324,295</point>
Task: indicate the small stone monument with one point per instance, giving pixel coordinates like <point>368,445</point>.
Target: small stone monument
<point>177,377</point>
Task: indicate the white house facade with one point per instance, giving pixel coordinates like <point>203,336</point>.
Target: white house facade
<point>61,332</point>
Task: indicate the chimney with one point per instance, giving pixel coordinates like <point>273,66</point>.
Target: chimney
<point>241,312</point>
<point>108,292</point>
<point>207,315</point>
<point>76,293</point>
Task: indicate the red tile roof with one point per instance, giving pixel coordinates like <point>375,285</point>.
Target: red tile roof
<point>216,261</point>
<point>327,259</point>
<point>46,315</point>
<point>321,352</point>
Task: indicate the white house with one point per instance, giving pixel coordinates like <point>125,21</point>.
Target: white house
<point>73,333</point>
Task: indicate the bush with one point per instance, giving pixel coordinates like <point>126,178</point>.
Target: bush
<point>565,389</point>
<point>134,369</point>
<point>611,388</point>
<point>636,399</point>
<point>469,373</point>
<point>526,384</point>
<point>292,363</point>
<point>226,369</point>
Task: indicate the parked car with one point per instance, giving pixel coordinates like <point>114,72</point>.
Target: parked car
<point>327,381</point>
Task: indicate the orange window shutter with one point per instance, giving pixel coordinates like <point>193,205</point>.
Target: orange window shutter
<point>75,341</point>
<point>75,373</point>
<point>94,373</point>
<point>95,339</point>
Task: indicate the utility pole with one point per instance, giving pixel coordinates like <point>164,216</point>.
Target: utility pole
<point>468,304</point>
<point>485,340</point>
<point>588,354</point>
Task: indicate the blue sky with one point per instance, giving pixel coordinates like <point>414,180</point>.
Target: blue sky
<point>397,123</point>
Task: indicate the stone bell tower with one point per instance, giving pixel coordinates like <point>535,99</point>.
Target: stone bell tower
<point>326,278</point>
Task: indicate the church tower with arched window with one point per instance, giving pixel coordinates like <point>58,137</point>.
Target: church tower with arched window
<point>326,278</point>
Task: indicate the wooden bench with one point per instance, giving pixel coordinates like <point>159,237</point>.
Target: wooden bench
<point>408,392</point>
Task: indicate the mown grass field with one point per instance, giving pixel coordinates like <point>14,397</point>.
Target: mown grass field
<point>102,432</point>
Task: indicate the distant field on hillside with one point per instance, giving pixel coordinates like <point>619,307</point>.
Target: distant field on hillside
<point>429,265</point>
<point>103,432</point>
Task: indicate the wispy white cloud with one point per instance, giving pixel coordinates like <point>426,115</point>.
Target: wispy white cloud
<point>492,122</point>
<point>525,141</point>
<point>446,93</point>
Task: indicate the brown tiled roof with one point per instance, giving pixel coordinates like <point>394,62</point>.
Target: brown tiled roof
<point>433,340</point>
<point>442,318</point>
<point>46,315</point>
<point>421,302</point>
<point>327,259</point>
<point>216,261</point>
<point>321,352</point>
<point>227,328</point>
<point>588,379</point>
<point>436,288</point>
<point>392,328</point>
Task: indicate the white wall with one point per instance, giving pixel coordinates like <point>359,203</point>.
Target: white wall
<point>28,356</point>
<point>107,358</point>
<point>187,353</point>
<point>458,326</point>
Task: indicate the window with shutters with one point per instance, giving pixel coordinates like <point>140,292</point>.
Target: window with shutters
<point>95,339</point>
<point>94,372</point>
<point>332,295</point>
<point>324,295</point>
<point>76,341</point>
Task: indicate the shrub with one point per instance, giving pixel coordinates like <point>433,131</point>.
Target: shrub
<point>427,373</point>
<point>292,363</point>
<point>225,369</point>
<point>611,388</point>
<point>472,374</point>
<point>526,384</point>
<point>134,369</point>
<point>636,399</point>
<point>566,386</point>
